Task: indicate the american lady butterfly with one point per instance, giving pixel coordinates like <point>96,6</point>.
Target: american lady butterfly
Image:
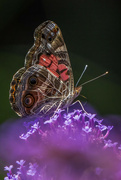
<point>46,82</point>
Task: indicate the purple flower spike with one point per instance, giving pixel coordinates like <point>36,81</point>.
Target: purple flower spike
<point>67,146</point>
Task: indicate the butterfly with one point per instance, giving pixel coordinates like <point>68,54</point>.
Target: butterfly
<point>46,82</point>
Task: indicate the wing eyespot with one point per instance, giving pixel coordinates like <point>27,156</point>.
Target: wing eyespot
<point>33,80</point>
<point>28,101</point>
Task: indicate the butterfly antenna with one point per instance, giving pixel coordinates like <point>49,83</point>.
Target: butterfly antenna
<point>95,78</point>
<point>81,75</point>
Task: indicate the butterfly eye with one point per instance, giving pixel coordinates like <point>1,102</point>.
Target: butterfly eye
<point>28,101</point>
<point>33,80</point>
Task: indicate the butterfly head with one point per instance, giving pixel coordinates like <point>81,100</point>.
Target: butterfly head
<point>77,91</point>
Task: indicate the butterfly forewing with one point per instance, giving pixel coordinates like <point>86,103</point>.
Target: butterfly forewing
<point>50,51</point>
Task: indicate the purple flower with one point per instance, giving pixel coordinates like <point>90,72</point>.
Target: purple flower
<point>108,143</point>
<point>10,175</point>
<point>87,127</point>
<point>32,169</point>
<point>67,146</point>
<point>21,162</point>
<point>119,147</point>
<point>33,129</point>
<point>8,168</point>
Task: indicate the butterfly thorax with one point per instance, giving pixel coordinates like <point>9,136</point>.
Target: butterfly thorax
<point>72,95</point>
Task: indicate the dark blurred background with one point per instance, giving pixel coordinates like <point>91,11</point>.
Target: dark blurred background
<point>92,33</point>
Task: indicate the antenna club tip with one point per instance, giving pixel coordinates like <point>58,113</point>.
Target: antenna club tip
<point>106,72</point>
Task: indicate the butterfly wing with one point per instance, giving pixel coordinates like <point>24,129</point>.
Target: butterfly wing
<point>47,80</point>
<point>49,50</point>
<point>13,88</point>
<point>39,92</point>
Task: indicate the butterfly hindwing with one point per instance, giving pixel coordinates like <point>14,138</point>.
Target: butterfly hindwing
<point>39,91</point>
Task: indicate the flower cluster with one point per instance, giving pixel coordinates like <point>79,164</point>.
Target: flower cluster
<point>67,146</point>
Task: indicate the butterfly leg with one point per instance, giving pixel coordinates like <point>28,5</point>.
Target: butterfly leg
<point>57,108</point>
<point>46,108</point>
<point>51,107</point>
<point>67,109</point>
<point>81,106</point>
